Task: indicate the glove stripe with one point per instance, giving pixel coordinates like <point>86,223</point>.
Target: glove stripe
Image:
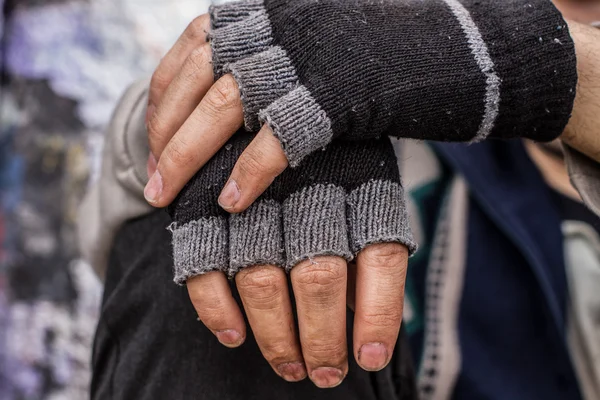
<point>256,237</point>
<point>377,213</point>
<point>534,56</point>
<point>199,247</point>
<point>314,222</point>
<point>484,60</point>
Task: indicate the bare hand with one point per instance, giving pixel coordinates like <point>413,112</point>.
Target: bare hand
<point>190,117</point>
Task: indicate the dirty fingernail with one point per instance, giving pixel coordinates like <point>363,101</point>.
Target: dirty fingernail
<point>327,377</point>
<point>229,338</point>
<point>230,195</point>
<point>372,356</point>
<point>153,188</point>
<point>292,372</point>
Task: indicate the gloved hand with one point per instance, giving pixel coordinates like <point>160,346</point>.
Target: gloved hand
<point>335,203</point>
<point>342,202</point>
<point>451,70</point>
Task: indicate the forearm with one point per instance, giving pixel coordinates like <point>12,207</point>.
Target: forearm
<point>583,129</point>
<point>499,70</point>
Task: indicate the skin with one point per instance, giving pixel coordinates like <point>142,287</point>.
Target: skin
<point>189,119</point>
<point>553,168</point>
<point>583,131</point>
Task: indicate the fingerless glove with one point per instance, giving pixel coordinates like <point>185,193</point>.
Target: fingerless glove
<point>450,70</point>
<point>336,202</point>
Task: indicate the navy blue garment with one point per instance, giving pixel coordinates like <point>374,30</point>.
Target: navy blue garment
<point>512,310</point>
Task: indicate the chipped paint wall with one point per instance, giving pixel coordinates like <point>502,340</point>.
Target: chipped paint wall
<point>64,65</point>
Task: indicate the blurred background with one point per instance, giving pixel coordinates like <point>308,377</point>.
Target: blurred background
<point>64,64</point>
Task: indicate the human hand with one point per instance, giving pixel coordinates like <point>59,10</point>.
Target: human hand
<point>344,201</point>
<point>313,71</point>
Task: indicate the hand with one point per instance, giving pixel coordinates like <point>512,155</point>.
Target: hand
<point>342,201</point>
<point>189,119</point>
<point>452,71</point>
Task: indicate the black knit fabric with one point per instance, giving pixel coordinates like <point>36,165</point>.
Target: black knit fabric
<point>338,201</point>
<point>383,67</point>
<point>347,164</point>
<point>446,70</point>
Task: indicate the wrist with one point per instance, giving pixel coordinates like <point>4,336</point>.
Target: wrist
<point>583,130</point>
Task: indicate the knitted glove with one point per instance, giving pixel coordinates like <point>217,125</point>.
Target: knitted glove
<point>335,203</point>
<point>451,70</point>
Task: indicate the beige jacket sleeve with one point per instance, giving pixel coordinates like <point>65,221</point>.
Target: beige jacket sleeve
<point>585,176</point>
<point>117,196</point>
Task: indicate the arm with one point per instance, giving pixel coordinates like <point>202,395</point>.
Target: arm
<point>451,70</point>
<point>117,194</point>
<point>583,130</point>
<point>582,134</point>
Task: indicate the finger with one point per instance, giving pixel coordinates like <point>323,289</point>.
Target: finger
<point>351,287</point>
<point>380,276</point>
<point>151,165</point>
<point>320,291</point>
<point>261,162</point>
<point>216,308</point>
<point>181,97</point>
<point>264,293</point>
<point>218,116</point>
<point>194,36</point>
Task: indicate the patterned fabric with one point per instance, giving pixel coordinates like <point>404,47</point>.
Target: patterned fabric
<point>64,65</point>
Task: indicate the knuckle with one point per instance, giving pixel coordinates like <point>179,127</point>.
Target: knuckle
<point>197,29</point>
<point>158,83</point>
<point>157,132</point>
<point>385,255</point>
<point>390,318</point>
<point>210,310</point>
<point>261,285</point>
<point>178,153</point>
<point>251,163</point>
<point>224,94</point>
<point>325,278</point>
<point>277,352</point>
<point>198,60</point>
<point>326,351</point>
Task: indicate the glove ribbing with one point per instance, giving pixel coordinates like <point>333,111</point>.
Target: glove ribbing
<point>336,202</point>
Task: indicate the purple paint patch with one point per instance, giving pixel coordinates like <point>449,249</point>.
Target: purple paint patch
<point>37,39</point>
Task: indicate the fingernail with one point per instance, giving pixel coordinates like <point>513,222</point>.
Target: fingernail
<point>372,356</point>
<point>153,188</point>
<point>149,112</point>
<point>292,372</point>
<point>229,338</point>
<point>151,165</point>
<point>326,377</point>
<point>230,195</point>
